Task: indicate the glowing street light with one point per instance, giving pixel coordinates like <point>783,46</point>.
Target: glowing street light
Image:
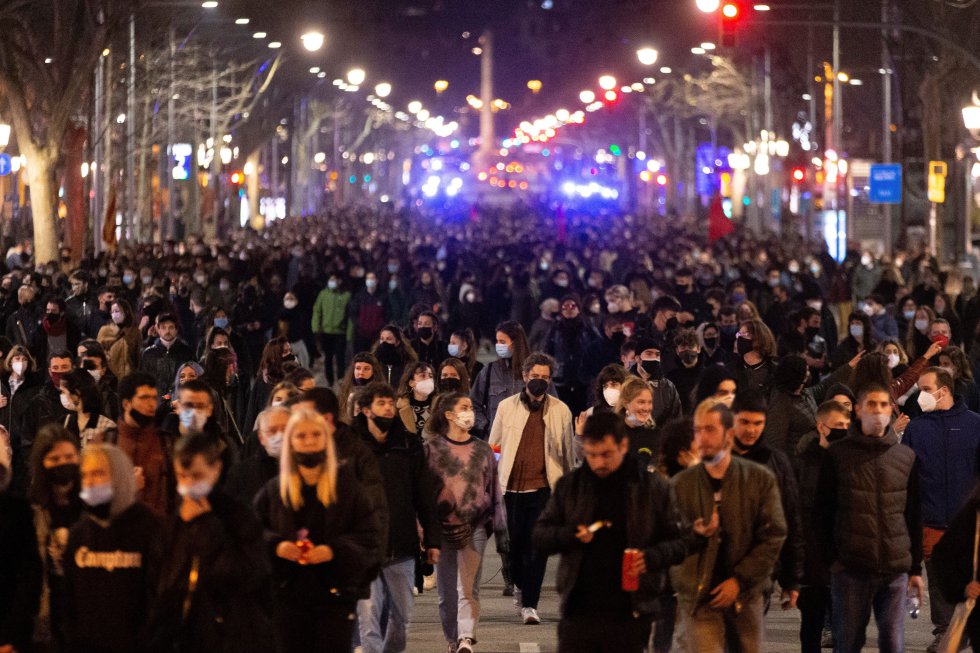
<point>356,76</point>
<point>313,40</point>
<point>209,4</point>
<point>382,90</point>
<point>607,82</point>
<point>259,35</point>
<point>647,56</point>
<point>440,85</point>
<point>534,85</point>
<point>242,21</point>
<point>414,106</point>
<point>587,97</point>
<point>708,6</point>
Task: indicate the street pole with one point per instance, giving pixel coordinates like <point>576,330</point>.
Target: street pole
<point>169,229</point>
<point>767,98</point>
<point>130,135</point>
<point>97,173</point>
<point>838,144</point>
<point>810,72</point>
<point>886,113</point>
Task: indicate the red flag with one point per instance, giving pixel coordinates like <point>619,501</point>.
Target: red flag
<point>719,225</point>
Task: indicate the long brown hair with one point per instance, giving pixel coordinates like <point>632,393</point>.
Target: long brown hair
<point>519,347</point>
<point>270,365</point>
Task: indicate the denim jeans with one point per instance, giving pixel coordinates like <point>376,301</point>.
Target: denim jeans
<point>707,630</point>
<point>527,566</point>
<point>391,593</point>
<point>458,575</point>
<point>854,595</point>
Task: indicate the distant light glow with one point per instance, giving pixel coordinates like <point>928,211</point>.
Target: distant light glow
<point>383,90</point>
<point>275,45</point>
<point>242,21</point>
<point>647,56</point>
<point>708,6</point>
<point>209,4</point>
<point>666,70</point>
<point>356,76</point>
<point>313,41</point>
<point>607,82</point>
<point>697,50</point>
<point>587,97</point>
<point>259,35</point>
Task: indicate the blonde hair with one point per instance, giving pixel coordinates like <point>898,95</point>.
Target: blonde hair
<point>290,483</point>
<point>631,389</point>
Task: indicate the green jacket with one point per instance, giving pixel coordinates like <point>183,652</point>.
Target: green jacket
<point>752,531</point>
<point>329,312</point>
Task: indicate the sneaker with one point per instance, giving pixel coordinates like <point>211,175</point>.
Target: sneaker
<point>429,582</point>
<point>509,589</point>
<point>530,616</point>
<point>465,645</point>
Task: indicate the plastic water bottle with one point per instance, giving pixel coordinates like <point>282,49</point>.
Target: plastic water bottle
<point>912,604</point>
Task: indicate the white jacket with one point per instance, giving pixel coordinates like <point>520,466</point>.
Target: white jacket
<point>559,432</point>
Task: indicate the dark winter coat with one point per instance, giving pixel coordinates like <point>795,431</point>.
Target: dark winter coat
<point>162,363</point>
<point>20,572</point>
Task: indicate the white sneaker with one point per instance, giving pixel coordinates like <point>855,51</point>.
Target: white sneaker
<point>530,616</point>
<point>465,645</point>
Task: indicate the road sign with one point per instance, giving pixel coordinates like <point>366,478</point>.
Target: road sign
<point>6,166</point>
<point>885,183</point>
<point>937,181</point>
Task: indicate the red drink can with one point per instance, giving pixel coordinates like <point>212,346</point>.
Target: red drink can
<point>631,582</point>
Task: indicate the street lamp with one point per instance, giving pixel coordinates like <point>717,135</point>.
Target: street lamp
<point>971,116</point>
<point>708,6</point>
<point>356,76</point>
<point>607,82</point>
<point>647,56</point>
<point>382,90</point>
<point>587,97</point>
<point>440,86</point>
<point>414,106</point>
<point>313,40</point>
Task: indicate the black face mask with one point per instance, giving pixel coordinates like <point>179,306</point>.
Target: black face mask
<point>140,419</point>
<point>836,434</point>
<point>711,343</point>
<point>425,333</point>
<point>387,353</point>
<point>384,423</point>
<point>310,460</point>
<point>811,332</point>
<point>358,381</point>
<point>682,288</point>
<point>100,511</point>
<point>743,346</point>
<point>450,384</point>
<point>688,357</point>
<point>66,474</point>
<point>729,330</point>
<point>672,324</point>
<point>618,338</point>
<point>537,387</point>
<point>652,368</point>
<point>744,447</point>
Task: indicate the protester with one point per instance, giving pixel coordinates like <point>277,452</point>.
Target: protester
<point>415,394</point>
<point>500,379</point>
<point>146,445</point>
<point>638,516</point>
<point>253,472</point>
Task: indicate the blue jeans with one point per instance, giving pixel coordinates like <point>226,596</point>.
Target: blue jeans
<point>391,590</point>
<point>854,595</point>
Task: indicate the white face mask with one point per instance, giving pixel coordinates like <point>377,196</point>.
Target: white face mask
<point>67,403</point>
<point>611,395</point>
<point>425,387</point>
<point>893,361</point>
<point>19,367</point>
<point>290,304</point>
<point>465,419</point>
<point>118,318</point>
<point>927,401</point>
<point>875,425</point>
<point>273,444</point>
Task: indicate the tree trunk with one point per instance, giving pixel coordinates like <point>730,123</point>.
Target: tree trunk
<point>255,218</point>
<point>74,151</point>
<point>41,167</point>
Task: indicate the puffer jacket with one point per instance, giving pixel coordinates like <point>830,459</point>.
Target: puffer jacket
<point>653,525</point>
<point>946,445</point>
<point>869,517</point>
<point>752,523</point>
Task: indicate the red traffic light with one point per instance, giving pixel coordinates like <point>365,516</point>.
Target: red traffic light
<point>799,174</point>
<point>729,10</point>
<point>662,180</point>
<point>236,178</point>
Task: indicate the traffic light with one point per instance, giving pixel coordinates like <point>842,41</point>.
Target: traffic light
<point>731,15</point>
<point>799,174</point>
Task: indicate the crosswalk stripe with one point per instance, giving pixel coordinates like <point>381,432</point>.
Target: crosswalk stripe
<point>530,647</point>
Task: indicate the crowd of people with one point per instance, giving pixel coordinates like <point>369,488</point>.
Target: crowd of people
<point>276,443</point>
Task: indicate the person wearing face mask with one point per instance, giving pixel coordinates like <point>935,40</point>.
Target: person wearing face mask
<point>946,442</point>
<point>324,534</point>
<point>635,404</point>
<point>427,344</point>
<point>121,339</point>
<point>394,353</point>
<point>865,278</point>
<point>196,414</point>
<point>416,392</point>
<point>368,310</point>
<point>55,483</point>
<point>535,434</point>
<point>567,342</point>
<point>687,374</point>
<point>602,351</point>
<point>858,339</point>
<point>550,311</point>
<point>749,412</point>
<point>215,556</point>
<point>712,352</point>
<point>739,527</point>
<point>470,508</point>
<point>647,365</point>
<point>146,445</point>
<point>23,325</point>
<point>251,473</point>
<point>410,493</point>
<point>833,422</point>
<point>80,397</point>
<point>166,354</point>
<point>331,323</point>
<point>112,559</point>
<point>44,404</point>
<point>463,346</point>
<point>608,389</point>
<point>294,324</point>
<point>870,526</point>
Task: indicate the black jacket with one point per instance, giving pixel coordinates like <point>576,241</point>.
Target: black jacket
<point>952,556</point>
<point>789,571</point>
<point>229,604</point>
<point>20,572</point>
<point>653,525</point>
<point>409,489</point>
<point>111,573</point>
<point>870,512</point>
<point>816,564</point>
<point>350,526</point>
<point>162,363</point>
<point>251,474</point>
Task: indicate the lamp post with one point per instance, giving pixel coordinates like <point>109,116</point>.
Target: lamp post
<point>971,119</point>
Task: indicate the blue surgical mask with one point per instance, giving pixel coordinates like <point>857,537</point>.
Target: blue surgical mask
<point>195,491</point>
<point>128,279</point>
<point>503,351</point>
<point>221,322</point>
<point>453,350</point>
<point>97,495</point>
<point>857,330</point>
<point>192,419</point>
<point>332,284</point>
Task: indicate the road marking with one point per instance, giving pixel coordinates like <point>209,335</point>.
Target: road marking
<point>530,647</point>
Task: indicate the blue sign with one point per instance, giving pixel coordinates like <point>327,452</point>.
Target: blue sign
<point>5,165</point>
<point>885,183</point>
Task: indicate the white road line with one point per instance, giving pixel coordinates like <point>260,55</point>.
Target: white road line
<point>530,647</point>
